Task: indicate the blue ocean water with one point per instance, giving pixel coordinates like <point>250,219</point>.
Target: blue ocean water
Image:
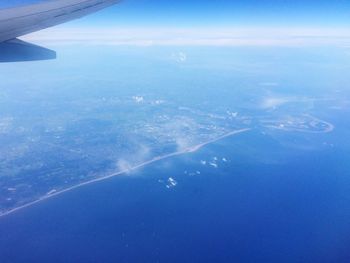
<point>242,211</point>
<point>276,193</point>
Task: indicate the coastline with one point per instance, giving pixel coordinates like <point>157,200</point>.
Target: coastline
<point>191,149</point>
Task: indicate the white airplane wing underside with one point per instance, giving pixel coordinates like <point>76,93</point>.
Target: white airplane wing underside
<point>19,21</point>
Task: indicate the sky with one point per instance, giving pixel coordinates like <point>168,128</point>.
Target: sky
<point>262,22</point>
<point>239,12</point>
<point>222,12</point>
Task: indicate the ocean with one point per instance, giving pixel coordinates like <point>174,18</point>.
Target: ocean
<point>293,208</point>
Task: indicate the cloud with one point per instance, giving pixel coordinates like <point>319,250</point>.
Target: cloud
<point>124,165</point>
<point>171,182</point>
<point>138,99</point>
<point>274,102</point>
<point>182,143</point>
<point>235,36</point>
<point>180,57</point>
<point>128,162</point>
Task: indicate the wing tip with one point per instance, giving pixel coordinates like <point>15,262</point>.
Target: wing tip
<point>19,51</point>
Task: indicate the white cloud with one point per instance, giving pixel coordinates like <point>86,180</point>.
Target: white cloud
<point>182,143</point>
<point>129,162</point>
<point>138,99</point>
<point>213,164</point>
<point>180,57</point>
<point>274,102</point>
<point>124,165</point>
<point>235,36</point>
<point>171,182</point>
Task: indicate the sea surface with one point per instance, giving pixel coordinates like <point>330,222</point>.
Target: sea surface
<point>295,210</point>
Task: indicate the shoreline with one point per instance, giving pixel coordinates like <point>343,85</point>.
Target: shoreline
<point>191,149</point>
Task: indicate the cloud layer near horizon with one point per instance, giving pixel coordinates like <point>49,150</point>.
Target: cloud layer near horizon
<point>194,36</point>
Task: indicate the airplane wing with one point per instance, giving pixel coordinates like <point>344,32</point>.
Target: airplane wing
<point>19,21</point>
<point>16,50</point>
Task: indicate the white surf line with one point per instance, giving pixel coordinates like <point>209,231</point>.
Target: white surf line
<point>155,159</point>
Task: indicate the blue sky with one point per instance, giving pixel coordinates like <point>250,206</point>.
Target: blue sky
<point>214,22</point>
<point>221,13</point>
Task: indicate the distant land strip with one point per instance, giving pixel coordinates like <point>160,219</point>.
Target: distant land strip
<point>191,149</point>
